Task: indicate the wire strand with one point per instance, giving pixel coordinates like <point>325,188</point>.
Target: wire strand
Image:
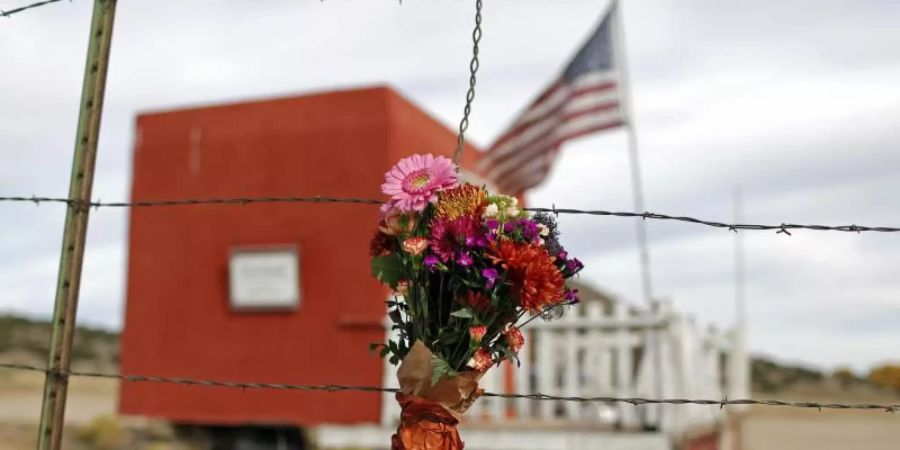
<point>783,228</point>
<point>543,397</point>
<point>27,7</point>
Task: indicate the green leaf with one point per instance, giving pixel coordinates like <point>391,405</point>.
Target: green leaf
<point>441,369</point>
<point>463,313</point>
<point>509,354</point>
<point>388,269</point>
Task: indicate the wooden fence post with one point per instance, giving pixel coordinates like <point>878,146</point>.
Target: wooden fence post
<point>75,232</point>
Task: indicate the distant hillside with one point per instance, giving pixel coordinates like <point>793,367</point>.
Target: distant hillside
<point>771,376</point>
<point>30,339</point>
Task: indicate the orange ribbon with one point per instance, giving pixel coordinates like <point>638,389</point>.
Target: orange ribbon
<point>425,425</point>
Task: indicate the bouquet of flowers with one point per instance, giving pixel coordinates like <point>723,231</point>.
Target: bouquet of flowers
<point>468,270</point>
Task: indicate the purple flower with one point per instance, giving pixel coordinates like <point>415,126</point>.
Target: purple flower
<point>562,255</point>
<point>574,265</point>
<point>492,224</point>
<point>476,241</point>
<point>490,274</point>
<point>464,259</point>
<point>474,238</point>
<point>431,261</point>
<point>571,296</point>
<point>481,241</point>
<point>509,227</point>
<point>529,229</point>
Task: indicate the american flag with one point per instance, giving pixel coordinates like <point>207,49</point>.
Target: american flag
<point>583,100</point>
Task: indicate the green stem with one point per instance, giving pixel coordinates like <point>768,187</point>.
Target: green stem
<point>441,303</point>
<point>464,339</point>
<point>541,313</point>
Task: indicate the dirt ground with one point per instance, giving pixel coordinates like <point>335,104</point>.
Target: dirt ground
<point>777,428</point>
<point>828,430</point>
<point>20,407</point>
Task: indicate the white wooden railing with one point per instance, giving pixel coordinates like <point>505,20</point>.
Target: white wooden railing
<point>609,349</point>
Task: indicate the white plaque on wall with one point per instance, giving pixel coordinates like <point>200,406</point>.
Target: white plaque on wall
<point>264,278</point>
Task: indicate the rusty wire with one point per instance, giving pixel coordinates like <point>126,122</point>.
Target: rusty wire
<point>784,228</point>
<point>26,7</point>
<point>544,397</point>
<point>470,95</point>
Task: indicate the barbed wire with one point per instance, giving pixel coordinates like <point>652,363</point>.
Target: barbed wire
<point>784,228</point>
<point>892,408</point>
<point>27,7</point>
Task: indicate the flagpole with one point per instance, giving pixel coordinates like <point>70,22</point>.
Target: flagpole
<point>637,188</point>
<point>740,302</point>
<point>739,366</point>
<point>653,416</point>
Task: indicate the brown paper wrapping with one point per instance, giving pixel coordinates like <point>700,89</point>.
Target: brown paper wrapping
<point>430,414</point>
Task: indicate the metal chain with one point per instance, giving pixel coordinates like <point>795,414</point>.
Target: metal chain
<point>470,95</point>
<point>355,388</point>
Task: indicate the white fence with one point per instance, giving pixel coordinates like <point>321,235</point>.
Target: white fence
<point>605,348</point>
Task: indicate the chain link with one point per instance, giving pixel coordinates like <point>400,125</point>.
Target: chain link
<point>470,95</point>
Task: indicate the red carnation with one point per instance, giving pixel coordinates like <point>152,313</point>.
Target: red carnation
<point>477,333</point>
<point>514,339</point>
<point>481,361</point>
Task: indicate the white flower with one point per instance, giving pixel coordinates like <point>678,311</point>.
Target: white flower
<point>543,230</point>
<point>491,210</point>
<point>512,211</point>
<point>513,201</point>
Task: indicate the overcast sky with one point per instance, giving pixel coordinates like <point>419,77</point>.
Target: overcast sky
<point>796,102</point>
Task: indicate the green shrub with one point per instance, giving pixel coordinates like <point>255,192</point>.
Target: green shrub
<point>104,433</point>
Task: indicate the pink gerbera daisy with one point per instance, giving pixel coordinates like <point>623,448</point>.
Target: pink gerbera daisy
<point>415,181</point>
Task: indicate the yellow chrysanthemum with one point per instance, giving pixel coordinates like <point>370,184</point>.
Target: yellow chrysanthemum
<point>466,200</point>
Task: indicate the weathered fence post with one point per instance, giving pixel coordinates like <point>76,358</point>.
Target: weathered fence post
<point>75,232</point>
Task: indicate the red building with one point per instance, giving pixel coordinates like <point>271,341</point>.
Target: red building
<point>200,301</point>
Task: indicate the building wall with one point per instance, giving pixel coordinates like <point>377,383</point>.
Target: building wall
<point>178,321</point>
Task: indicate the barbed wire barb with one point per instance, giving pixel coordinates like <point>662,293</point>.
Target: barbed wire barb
<point>7,13</point>
<point>783,228</point>
<point>537,396</point>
